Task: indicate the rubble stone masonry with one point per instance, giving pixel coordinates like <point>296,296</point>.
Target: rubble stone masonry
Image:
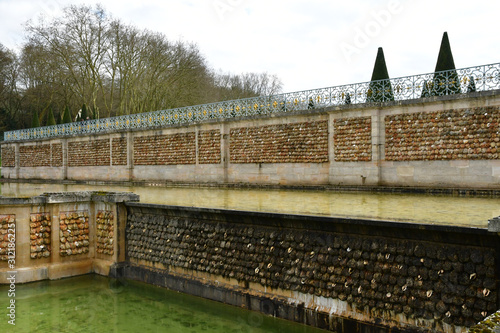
<point>458,138</point>
<point>35,155</point>
<point>8,156</point>
<point>386,276</point>
<point>89,153</point>
<point>40,234</point>
<point>305,142</point>
<point>57,155</point>
<point>471,133</point>
<point>352,139</point>
<point>119,151</point>
<point>40,155</point>
<point>209,147</point>
<point>179,148</point>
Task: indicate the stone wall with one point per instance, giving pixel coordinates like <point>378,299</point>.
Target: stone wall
<point>35,155</point>
<point>105,232</point>
<point>61,234</point>
<point>463,134</point>
<point>418,276</point>
<point>40,235</point>
<point>56,155</point>
<point>8,157</point>
<point>74,233</point>
<point>442,142</point>
<point>322,271</point>
<point>89,153</point>
<point>352,139</point>
<point>39,155</point>
<point>179,148</point>
<point>7,221</point>
<point>119,151</point>
<point>209,147</point>
<point>284,143</point>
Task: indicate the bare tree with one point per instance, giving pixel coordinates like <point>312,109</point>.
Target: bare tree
<point>10,99</point>
<point>87,57</point>
<point>247,85</point>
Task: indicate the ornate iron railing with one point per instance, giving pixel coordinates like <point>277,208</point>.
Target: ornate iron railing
<point>464,80</point>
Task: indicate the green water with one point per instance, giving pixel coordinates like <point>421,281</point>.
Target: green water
<point>93,303</point>
<point>414,208</point>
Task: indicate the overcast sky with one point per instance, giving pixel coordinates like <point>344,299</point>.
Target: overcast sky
<point>308,44</point>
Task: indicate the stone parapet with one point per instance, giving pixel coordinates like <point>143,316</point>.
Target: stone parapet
<point>55,235</point>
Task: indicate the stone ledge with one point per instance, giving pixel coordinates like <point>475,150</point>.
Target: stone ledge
<point>267,303</point>
<point>47,272</point>
<point>494,224</point>
<point>63,197</point>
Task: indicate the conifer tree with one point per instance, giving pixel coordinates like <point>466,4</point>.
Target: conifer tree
<point>50,119</point>
<point>348,99</point>
<point>472,85</point>
<point>84,114</point>
<point>446,80</point>
<point>310,105</point>
<point>426,89</point>
<point>66,116</point>
<point>380,88</point>
<point>35,122</point>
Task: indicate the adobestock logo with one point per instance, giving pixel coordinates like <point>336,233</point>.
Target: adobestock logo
<point>222,7</point>
<point>50,7</point>
<point>363,35</point>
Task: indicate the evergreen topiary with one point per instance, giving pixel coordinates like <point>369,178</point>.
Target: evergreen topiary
<point>310,105</point>
<point>348,99</point>
<point>35,122</point>
<point>426,89</point>
<point>472,85</point>
<point>446,80</point>
<point>51,121</point>
<point>66,116</point>
<point>380,88</point>
<point>84,114</point>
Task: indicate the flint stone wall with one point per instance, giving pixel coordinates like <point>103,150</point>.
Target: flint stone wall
<point>442,142</point>
<point>416,276</point>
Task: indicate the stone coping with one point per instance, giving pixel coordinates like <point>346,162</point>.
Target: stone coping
<point>80,196</point>
<point>444,191</point>
<point>382,228</point>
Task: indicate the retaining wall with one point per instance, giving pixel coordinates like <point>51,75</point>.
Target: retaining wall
<point>61,234</point>
<point>447,141</point>
<point>347,275</point>
<point>328,272</point>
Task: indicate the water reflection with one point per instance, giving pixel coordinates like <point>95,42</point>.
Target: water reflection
<point>465,211</point>
<point>93,303</point>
